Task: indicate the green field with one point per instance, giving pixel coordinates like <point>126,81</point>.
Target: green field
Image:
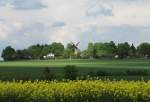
<point>127,63</point>
<point>36,67</point>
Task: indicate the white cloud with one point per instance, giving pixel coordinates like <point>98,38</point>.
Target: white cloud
<point>135,14</point>
<point>45,21</point>
<point>2,33</point>
<point>22,4</point>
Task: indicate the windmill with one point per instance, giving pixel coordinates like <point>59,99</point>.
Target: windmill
<point>75,47</point>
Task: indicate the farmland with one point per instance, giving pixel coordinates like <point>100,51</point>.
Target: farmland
<point>126,63</point>
<point>75,91</point>
<point>34,68</point>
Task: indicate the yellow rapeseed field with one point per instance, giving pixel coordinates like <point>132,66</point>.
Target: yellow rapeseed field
<point>75,91</point>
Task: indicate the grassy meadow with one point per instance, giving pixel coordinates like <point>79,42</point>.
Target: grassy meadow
<point>34,68</point>
<point>23,81</point>
<point>125,63</point>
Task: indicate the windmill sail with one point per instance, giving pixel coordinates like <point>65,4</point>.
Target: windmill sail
<point>75,46</point>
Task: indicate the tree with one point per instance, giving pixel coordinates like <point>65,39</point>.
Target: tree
<point>19,55</point>
<point>69,51</point>
<point>132,51</point>
<point>105,49</point>
<point>91,51</point>
<point>70,72</point>
<point>123,50</point>
<point>144,50</point>
<point>84,54</point>
<point>46,50</point>
<point>109,49</point>
<point>57,49</point>
<point>98,50</point>
<point>8,54</point>
<point>113,47</point>
<point>35,51</point>
<point>23,54</point>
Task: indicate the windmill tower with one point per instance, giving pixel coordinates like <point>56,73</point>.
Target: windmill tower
<point>76,49</point>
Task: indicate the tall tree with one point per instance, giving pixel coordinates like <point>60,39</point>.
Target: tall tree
<point>20,55</point>
<point>35,51</point>
<point>144,50</point>
<point>91,50</point>
<point>109,49</point>
<point>46,50</point>
<point>123,50</point>
<point>132,51</point>
<point>84,54</point>
<point>98,47</point>
<point>57,49</point>
<point>9,53</point>
<point>105,49</point>
<point>69,51</point>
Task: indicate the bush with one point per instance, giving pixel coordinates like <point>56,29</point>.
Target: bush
<point>103,73</point>
<point>70,72</point>
<point>91,74</point>
<point>47,74</point>
<point>136,72</point>
<point>99,73</point>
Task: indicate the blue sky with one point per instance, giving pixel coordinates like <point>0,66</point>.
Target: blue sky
<point>27,22</point>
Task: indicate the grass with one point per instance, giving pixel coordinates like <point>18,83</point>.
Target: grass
<point>35,68</point>
<point>130,63</point>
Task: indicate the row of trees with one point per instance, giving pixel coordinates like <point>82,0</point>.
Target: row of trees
<point>33,52</point>
<point>121,50</point>
<point>110,50</point>
<point>94,50</point>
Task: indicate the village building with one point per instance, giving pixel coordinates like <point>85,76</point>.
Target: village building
<point>49,56</point>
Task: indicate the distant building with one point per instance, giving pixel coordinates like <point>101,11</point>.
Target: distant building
<point>49,56</point>
<point>116,56</point>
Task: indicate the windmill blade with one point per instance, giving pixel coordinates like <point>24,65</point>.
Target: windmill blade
<point>72,43</point>
<point>76,47</point>
<point>77,44</point>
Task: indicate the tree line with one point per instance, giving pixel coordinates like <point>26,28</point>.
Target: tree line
<point>93,51</point>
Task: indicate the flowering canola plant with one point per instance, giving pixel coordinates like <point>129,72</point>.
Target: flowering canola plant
<point>75,91</point>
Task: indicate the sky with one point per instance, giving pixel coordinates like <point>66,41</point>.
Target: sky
<point>27,22</point>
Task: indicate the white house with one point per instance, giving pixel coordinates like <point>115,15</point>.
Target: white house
<point>49,56</point>
<point>116,56</point>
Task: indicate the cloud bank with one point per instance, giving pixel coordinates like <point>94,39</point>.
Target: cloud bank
<point>27,22</point>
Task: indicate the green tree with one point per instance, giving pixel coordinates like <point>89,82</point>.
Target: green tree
<point>46,50</point>
<point>132,51</point>
<point>144,50</point>
<point>91,50</point>
<point>57,49</point>
<point>19,55</point>
<point>105,49</point>
<point>35,51</point>
<point>99,50</point>
<point>109,49</point>
<point>123,50</point>
<point>9,53</point>
<point>69,51</point>
<point>70,72</point>
<point>84,54</point>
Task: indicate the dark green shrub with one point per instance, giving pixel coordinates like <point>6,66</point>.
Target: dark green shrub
<point>103,73</point>
<point>47,74</point>
<point>70,72</point>
<point>91,74</point>
<point>136,72</point>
